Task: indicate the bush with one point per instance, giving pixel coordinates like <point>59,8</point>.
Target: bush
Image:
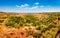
<point>14,21</point>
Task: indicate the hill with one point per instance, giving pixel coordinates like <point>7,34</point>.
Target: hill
<point>30,25</point>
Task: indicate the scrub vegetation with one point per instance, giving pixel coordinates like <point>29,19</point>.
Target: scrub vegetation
<point>41,25</point>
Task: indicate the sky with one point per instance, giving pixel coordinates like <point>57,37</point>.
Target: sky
<point>30,5</point>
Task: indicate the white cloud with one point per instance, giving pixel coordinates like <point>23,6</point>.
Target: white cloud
<point>26,8</point>
<point>34,7</point>
<point>37,3</point>
<point>17,6</point>
<point>24,5</point>
<point>42,6</point>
